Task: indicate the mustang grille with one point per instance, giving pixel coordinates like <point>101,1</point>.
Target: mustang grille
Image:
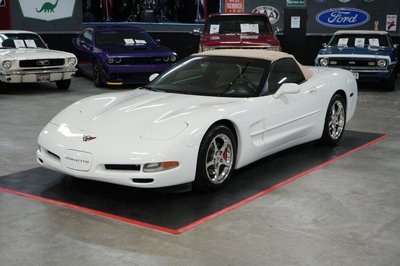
<point>41,62</point>
<point>352,62</point>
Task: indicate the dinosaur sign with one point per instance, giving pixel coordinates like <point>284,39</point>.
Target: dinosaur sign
<point>47,10</point>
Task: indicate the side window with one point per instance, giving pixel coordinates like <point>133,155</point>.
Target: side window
<point>284,70</point>
<point>87,36</point>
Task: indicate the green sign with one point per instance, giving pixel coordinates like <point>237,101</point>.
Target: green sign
<point>295,3</point>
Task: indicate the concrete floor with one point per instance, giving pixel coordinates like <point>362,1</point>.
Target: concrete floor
<point>347,213</point>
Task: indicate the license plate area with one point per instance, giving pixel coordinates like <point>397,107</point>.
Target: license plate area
<point>43,78</point>
<point>77,160</point>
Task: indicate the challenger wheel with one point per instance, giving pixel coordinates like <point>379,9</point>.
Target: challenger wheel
<point>335,120</point>
<point>216,159</point>
<point>63,84</point>
<point>98,77</point>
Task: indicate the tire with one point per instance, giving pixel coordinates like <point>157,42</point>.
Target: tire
<point>98,77</point>
<point>63,84</point>
<point>217,152</point>
<point>389,83</point>
<point>335,121</point>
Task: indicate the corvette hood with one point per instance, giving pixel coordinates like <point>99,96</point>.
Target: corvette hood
<point>34,53</point>
<point>138,113</point>
<point>240,40</point>
<point>382,51</point>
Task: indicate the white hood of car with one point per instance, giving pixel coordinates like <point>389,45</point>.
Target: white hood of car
<point>140,113</point>
<point>34,53</point>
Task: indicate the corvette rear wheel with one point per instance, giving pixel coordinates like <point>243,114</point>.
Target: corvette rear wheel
<point>216,160</point>
<point>335,120</point>
<point>98,77</point>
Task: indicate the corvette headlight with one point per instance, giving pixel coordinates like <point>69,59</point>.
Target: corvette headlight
<point>381,63</point>
<point>7,64</point>
<point>323,62</point>
<point>72,61</point>
<point>161,166</point>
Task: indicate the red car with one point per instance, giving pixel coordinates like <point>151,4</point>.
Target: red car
<point>238,31</point>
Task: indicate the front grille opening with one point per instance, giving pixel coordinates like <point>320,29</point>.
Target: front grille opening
<point>123,167</point>
<point>142,180</point>
<point>54,155</point>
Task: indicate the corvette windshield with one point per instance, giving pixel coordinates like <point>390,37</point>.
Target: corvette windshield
<point>359,40</point>
<point>134,38</point>
<point>21,40</point>
<point>214,76</point>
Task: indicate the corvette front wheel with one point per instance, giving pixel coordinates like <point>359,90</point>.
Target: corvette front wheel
<point>216,159</point>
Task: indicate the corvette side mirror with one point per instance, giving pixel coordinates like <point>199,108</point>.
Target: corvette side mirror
<point>287,88</point>
<point>153,76</point>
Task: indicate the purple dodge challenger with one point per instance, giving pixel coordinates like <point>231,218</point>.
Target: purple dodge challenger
<point>116,55</point>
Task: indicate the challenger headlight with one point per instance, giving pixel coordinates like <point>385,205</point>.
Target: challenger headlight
<point>381,63</point>
<point>7,64</point>
<point>161,166</point>
<point>117,60</point>
<point>172,58</point>
<point>166,58</point>
<point>72,61</point>
<point>110,60</point>
<point>323,62</point>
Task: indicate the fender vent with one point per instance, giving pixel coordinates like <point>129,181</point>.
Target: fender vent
<point>123,167</point>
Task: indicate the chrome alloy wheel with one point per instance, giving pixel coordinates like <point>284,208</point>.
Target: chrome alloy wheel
<point>219,159</point>
<point>337,120</point>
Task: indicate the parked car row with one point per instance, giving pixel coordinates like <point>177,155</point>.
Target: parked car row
<point>116,55</point>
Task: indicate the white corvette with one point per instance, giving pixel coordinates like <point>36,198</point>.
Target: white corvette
<point>212,113</point>
<point>25,58</point>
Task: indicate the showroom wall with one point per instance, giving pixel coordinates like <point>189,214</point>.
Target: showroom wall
<point>46,15</point>
<point>58,21</point>
<point>326,16</point>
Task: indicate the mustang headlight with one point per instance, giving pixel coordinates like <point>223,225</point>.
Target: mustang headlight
<point>381,63</point>
<point>7,64</point>
<point>323,62</point>
<point>72,61</point>
<point>161,166</point>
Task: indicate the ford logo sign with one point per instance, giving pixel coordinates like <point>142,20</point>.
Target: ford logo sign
<point>342,17</point>
<point>43,62</point>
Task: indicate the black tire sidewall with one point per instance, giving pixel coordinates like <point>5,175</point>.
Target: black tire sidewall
<point>98,78</point>
<point>201,182</point>
<point>326,137</point>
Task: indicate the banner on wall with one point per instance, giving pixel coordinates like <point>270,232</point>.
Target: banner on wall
<point>295,3</point>
<point>234,6</point>
<point>47,10</point>
<point>391,22</point>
